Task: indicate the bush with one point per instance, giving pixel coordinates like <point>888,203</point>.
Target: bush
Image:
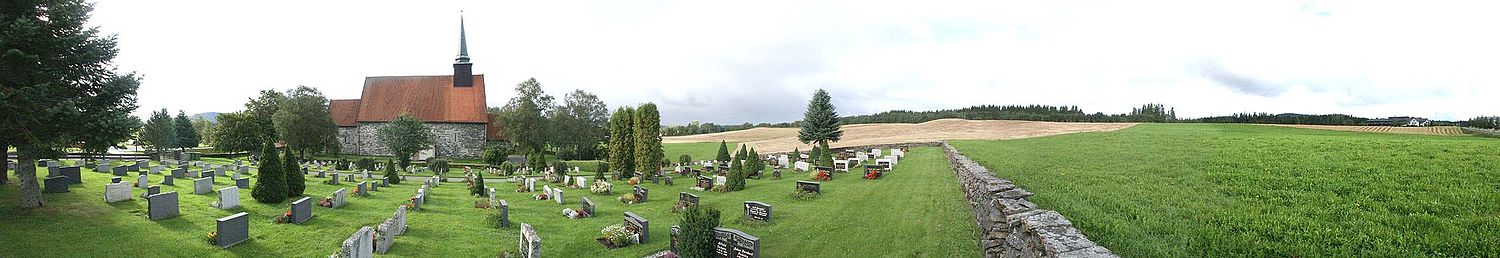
<point>495,154</point>
<point>697,226</point>
<point>296,182</point>
<point>270,185</point>
<point>493,218</point>
<point>684,159</point>
<point>599,171</point>
<point>390,173</point>
<point>438,166</point>
<point>366,163</point>
<point>477,188</point>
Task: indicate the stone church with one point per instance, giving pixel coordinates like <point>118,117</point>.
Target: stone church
<point>452,106</point>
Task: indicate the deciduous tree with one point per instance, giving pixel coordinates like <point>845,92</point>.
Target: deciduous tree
<point>404,137</point>
<point>302,121</point>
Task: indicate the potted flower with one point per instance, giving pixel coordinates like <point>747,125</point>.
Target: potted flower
<point>212,238</point>
<point>634,180</point>
<point>284,218</point>
<point>601,187</point>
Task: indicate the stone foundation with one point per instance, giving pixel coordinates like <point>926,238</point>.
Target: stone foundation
<point>1011,225</point>
<point>456,140</point>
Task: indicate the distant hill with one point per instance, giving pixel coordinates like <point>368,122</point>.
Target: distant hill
<point>211,116</point>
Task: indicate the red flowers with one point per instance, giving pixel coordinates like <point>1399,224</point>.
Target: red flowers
<point>822,176</point>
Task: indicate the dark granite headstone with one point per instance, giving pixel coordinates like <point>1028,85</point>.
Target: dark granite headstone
<point>504,214</point>
<point>155,189</point>
<point>676,237</point>
<point>167,181</point>
<point>641,225</point>
<point>74,174</point>
<point>162,205</point>
<point>809,186</point>
<point>705,183</point>
<point>684,197</point>
<point>120,171</point>
<point>729,242</point>
<point>234,229</point>
<point>758,211</point>
<point>301,210</point>
<point>587,206</point>
<point>180,172</point>
<point>55,184</point>
<point>641,192</point>
<point>242,183</point>
<point>114,180</point>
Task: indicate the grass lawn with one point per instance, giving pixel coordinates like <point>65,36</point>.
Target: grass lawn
<point>917,210</point>
<point>695,150</point>
<point>1176,190</point>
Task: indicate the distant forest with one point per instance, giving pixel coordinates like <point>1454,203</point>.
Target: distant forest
<point>1149,113</point>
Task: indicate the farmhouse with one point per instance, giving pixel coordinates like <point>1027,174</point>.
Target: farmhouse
<point>1399,121</point>
<point>452,106</point>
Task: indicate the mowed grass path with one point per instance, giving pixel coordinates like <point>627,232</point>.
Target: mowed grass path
<point>917,210</point>
<point>1175,190</point>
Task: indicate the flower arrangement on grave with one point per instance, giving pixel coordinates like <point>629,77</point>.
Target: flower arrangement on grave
<point>521,188</point>
<point>719,188</point>
<point>680,206</point>
<point>356,191</point>
<point>873,174</point>
<point>212,238</point>
<point>695,188</point>
<point>574,214</point>
<point>284,218</point>
<point>482,204</point>
<point>601,187</point>
<point>634,180</point>
<point>540,196</point>
<point>616,236</point>
<point>629,199</point>
<point>326,202</point>
<point>822,176</point>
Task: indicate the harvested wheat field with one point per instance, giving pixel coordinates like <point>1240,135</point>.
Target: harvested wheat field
<point>1430,130</point>
<point>775,140</point>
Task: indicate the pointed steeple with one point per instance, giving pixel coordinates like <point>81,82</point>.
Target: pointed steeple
<point>463,71</point>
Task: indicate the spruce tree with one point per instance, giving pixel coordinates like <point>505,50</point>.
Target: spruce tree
<point>270,183</point>
<point>815,156</point>
<point>698,225</point>
<point>756,164</point>
<point>478,188</point>
<point>736,180</point>
<point>390,173</point>
<point>820,123</point>
<point>648,153</point>
<point>622,141</point>
<point>827,158</point>
<point>723,152</point>
<point>296,183</point>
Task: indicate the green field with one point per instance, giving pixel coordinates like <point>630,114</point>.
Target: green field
<point>696,150</point>
<point>917,210</point>
<point>1181,190</point>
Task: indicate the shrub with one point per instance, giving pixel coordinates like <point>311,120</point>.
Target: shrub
<point>270,186</point>
<point>477,188</point>
<point>366,163</point>
<point>390,173</point>
<point>493,218</point>
<point>697,226</point>
<point>684,159</point>
<point>599,170</point>
<point>296,182</point>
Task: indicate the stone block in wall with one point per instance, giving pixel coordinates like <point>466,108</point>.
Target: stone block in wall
<point>1017,193</point>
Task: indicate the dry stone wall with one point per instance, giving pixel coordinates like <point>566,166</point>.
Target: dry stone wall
<point>1011,225</point>
<point>456,140</point>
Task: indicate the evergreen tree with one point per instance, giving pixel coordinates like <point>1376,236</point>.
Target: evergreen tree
<point>756,164</point>
<point>622,141</point>
<point>648,153</point>
<point>826,159</point>
<point>296,182</point>
<point>815,156</point>
<point>820,124</point>
<point>390,173</point>
<point>796,154</point>
<point>187,137</point>
<point>599,170</point>
<point>160,132</point>
<point>478,188</point>
<point>698,225</point>
<point>723,152</point>
<point>270,185</point>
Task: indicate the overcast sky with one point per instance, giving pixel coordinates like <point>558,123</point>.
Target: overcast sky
<point>759,61</point>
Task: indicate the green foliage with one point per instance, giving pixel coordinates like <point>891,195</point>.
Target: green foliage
<point>702,128</point>
<point>236,132</point>
<point>477,188</point>
<point>599,171</point>
<point>390,173</point>
<point>296,182</point>
<point>404,137</point>
<point>302,121</point>
<point>815,156</point>
<point>186,136</point>
<point>697,225</point>
<point>522,116</point>
<point>495,153</point>
<point>820,124</point>
<point>494,218</point>
<point>825,157</point>
<point>204,130</point>
<point>438,165</point>
<point>1487,122</point>
<point>160,132</point>
<point>270,181</point>
<point>723,152</point>
<point>756,164</point>
<point>622,141</point>
<point>536,161</point>
<point>684,159</point>
<point>579,126</point>
<point>365,163</point>
<point>648,152</point>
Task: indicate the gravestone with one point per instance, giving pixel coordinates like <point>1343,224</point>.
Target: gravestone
<point>668,180</point>
<point>121,171</point>
<point>53,170</point>
<point>243,182</point>
<point>301,210</point>
<point>233,229</point>
<point>587,206</point>
<point>894,160</point>
<point>385,182</point>
<point>676,238</point>
<point>244,171</point>
<point>192,174</point>
<point>203,185</point>
<point>729,242</point>
<point>167,181</point>
<point>321,174</point>
<point>490,192</point>
<point>155,189</point>
<point>531,245</point>
<point>758,211</point>
<point>373,186</point>
<point>55,184</point>
<point>349,178</point>
<point>359,245</point>
<point>705,183</point>
<point>117,192</point>
<point>156,169</point>
<point>338,197</point>
<point>641,225</point>
<point>557,195</point>
<point>582,183</point>
<point>720,180</point>
<point>133,168</point>
<point>801,166</point>
<point>114,180</point>
<point>684,197</point>
<point>884,163</point>
<point>179,172</point>
<point>809,186</point>
<point>504,213</point>
<point>640,192</point>
<point>841,165</point>
<point>162,205</point>
<point>547,190</point>
<point>73,174</point>
<point>142,182</point>
<point>229,197</point>
<point>360,190</point>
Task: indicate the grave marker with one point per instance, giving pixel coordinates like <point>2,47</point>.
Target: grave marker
<point>359,245</point>
<point>203,185</point>
<point>640,192</point>
<point>55,184</point>
<point>167,181</point>
<point>243,182</point>
<point>758,211</point>
<point>684,197</point>
<point>338,197</point>
<point>729,242</point>
<point>162,205</point>
<point>531,245</point>
<point>504,213</point>
<point>233,229</point>
<point>141,182</point>
<point>705,183</point>
<point>229,197</point>
<point>640,225</point>
<point>73,174</point>
<point>809,186</point>
<point>155,189</point>
<point>558,195</point>
<point>117,192</point>
<point>301,210</point>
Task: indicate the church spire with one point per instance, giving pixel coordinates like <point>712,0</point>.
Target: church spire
<point>463,71</point>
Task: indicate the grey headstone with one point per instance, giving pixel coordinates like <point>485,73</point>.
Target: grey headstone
<point>142,182</point>
<point>684,197</point>
<point>531,245</point>
<point>74,174</point>
<point>167,181</point>
<point>758,211</point>
<point>121,171</point>
<point>360,190</point>
<point>586,206</point>
<point>233,229</point>
<point>504,214</point>
<point>640,192</point>
<point>301,210</point>
<point>809,186</point>
<point>180,172</point>
<point>203,185</point>
<point>229,197</point>
<point>339,196</point>
<point>162,205</point>
<point>117,192</point>
<point>243,182</point>
<point>641,225</point>
<point>359,245</point>
<point>55,184</point>
<point>155,189</point>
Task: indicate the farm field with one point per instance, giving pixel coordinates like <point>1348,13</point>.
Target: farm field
<point>921,213</point>
<point>777,140</point>
<point>1429,130</point>
<point>1195,190</point>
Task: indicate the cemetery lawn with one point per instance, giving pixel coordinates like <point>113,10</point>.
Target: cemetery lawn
<point>696,150</point>
<point>916,210</point>
<point>1191,190</point>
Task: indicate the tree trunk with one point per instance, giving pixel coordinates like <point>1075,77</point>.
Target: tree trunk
<point>5,155</point>
<point>31,192</point>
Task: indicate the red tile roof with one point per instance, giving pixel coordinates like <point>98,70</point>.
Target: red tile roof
<point>428,98</point>
<point>344,111</point>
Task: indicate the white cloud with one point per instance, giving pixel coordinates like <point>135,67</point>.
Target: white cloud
<point>760,61</point>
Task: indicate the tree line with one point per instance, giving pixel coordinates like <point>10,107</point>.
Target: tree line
<point>1487,122</point>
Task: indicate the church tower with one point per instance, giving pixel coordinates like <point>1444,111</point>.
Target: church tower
<point>463,71</point>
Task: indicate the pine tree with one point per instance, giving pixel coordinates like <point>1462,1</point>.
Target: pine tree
<point>390,173</point>
<point>270,185</point>
<point>296,183</point>
<point>622,141</point>
<point>736,180</point>
<point>826,159</point>
<point>756,164</point>
<point>723,152</point>
<point>478,188</point>
<point>648,153</point>
<point>820,123</point>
